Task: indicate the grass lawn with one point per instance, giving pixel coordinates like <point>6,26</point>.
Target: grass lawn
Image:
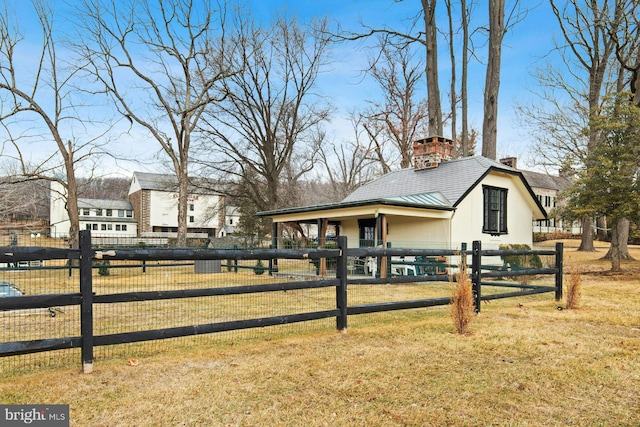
<point>525,363</point>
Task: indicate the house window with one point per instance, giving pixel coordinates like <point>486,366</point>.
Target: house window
<point>495,210</point>
<point>367,232</point>
<point>88,227</point>
<point>192,207</point>
<point>124,227</point>
<point>109,227</point>
<point>103,227</point>
<point>129,213</point>
<point>85,211</point>
<point>98,212</point>
<point>117,227</point>
<point>192,218</point>
<point>121,213</point>
<point>94,226</point>
<point>230,221</point>
<point>109,212</point>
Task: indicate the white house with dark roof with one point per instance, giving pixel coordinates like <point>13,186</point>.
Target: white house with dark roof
<point>154,198</point>
<point>547,189</point>
<point>105,218</point>
<point>440,202</point>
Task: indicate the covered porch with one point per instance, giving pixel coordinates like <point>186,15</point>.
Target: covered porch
<point>393,222</point>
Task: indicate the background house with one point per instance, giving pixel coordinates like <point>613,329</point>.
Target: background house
<point>231,221</point>
<point>547,189</point>
<point>113,218</point>
<point>154,198</point>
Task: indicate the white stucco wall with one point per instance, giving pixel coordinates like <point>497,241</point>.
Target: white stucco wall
<point>58,217</point>
<point>468,219</point>
<point>164,210</point>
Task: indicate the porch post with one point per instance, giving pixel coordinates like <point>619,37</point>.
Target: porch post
<point>322,232</point>
<point>383,239</point>
<point>273,268</point>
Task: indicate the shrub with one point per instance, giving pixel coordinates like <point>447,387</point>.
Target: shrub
<point>462,307</point>
<point>573,289</point>
<point>515,261</point>
<point>520,261</point>
<point>259,269</point>
<point>103,269</point>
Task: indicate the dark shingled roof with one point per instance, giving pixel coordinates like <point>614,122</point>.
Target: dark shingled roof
<point>156,181</point>
<point>165,182</point>
<point>453,179</point>
<point>542,180</point>
<point>104,204</point>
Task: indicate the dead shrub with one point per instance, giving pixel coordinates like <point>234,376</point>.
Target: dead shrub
<point>573,289</point>
<point>462,306</point>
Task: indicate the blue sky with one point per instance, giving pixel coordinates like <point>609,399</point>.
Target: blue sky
<point>525,47</point>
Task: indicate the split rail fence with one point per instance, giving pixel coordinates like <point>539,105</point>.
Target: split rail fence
<point>340,281</point>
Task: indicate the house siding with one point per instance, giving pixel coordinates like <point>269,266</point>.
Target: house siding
<point>468,220</point>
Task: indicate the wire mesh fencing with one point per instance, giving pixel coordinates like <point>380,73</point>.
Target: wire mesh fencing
<point>147,298</point>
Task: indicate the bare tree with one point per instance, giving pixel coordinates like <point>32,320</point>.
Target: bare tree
<point>159,61</point>
<point>401,117</point>
<point>433,86</point>
<point>453,91</point>
<point>572,91</point>
<point>349,165</point>
<point>40,106</point>
<point>24,201</point>
<point>499,25</point>
<point>588,39</point>
<point>270,117</point>
<point>625,30</point>
<point>464,139</point>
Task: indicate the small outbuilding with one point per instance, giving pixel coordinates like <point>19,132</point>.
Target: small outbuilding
<point>441,202</point>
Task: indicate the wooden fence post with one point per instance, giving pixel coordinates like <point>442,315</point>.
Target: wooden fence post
<point>476,268</point>
<point>86,305</point>
<point>559,266</point>
<point>341,289</point>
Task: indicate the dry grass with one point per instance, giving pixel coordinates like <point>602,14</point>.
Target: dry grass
<point>526,364</point>
<point>462,306</point>
<point>573,291</point>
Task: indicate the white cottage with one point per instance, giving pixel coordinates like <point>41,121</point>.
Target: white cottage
<point>440,203</point>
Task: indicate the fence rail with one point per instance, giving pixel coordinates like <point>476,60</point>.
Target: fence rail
<point>88,300</point>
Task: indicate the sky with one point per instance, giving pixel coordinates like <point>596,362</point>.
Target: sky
<point>527,46</point>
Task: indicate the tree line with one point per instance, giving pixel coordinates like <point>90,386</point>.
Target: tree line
<point>226,96</point>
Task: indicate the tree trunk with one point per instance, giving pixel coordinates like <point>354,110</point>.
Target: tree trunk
<point>586,243</point>
<point>463,89</point>
<point>621,233</point>
<point>614,250</point>
<point>433,89</point>
<point>492,82</point>
<point>453,95</point>
<point>601,229</point>
<point>183,194</point>
<point>72,207</point>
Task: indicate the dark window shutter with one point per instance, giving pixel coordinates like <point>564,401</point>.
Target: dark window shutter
<point>503,211</point>
<point>487,203</point>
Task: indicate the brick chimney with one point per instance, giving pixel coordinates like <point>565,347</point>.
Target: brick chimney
<point>428,153</point>
<point>510,161</point>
